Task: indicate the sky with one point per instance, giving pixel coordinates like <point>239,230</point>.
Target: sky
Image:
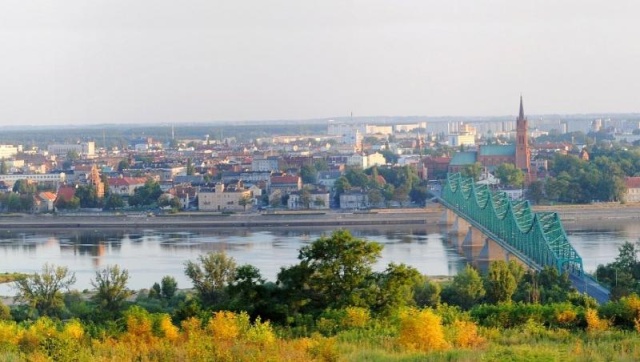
<point>156,61</point>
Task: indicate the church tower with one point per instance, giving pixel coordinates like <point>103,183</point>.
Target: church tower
<point>523,153</point>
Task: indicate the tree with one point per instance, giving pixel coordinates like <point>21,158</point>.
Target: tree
<point>3,167</point>
<point>114,201</point>
<point>390,157</point>
<point>545,286</point>
<point>191,169</point>
<point>123,165</point>
<point>146,195</point>
<point>623,274</point>
<point>375,197</point>
<point>474,171</point>
<point>43,291</point>
<point>72,204</point>
<point>510,175</point>
<point>466,289</point>
<point>309,174</point>
<point>111,290</point>
<point>535,191</point>
<point>396,286</point>
<point>88,196</point>
<point>247,291</point>
<point>400,195</point>
<point>210,275</point>
<point>24,187</point>
<point>305,197</point>
<point>334,271</point>
<point>427,293</point>
<point>500,283</point>
<point>244,201</point>
<point>169,287</point>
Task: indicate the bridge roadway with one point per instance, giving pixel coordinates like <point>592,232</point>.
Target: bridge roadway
<point>582,282</point>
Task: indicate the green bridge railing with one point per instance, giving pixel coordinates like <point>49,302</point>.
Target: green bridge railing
<point>539,236</point>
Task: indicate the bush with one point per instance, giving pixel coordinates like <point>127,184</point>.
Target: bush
<point>422,330</point>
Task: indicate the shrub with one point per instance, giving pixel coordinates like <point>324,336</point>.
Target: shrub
<point>227,326</point>
<point>422,330</point>
<point>466,335</point>
<point>261,333</point>
<point>594,322</point>
<point>356,317</point>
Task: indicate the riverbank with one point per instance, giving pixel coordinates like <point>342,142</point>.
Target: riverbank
<point>220,220</point>
<point>331,218</point>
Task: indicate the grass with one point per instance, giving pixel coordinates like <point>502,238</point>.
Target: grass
<point>11,277</point>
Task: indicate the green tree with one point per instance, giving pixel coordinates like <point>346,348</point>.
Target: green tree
<point>169,287</point>
<point>113,202</point>
<point>248,292</point>
<point>111,294</point>
<point>244,201</point>
<point>465,290</point>
<point>72,204</point>
<point>427,293</point>
<point>357,177</point>
<point>509,175</point>
<point>210,275</point>
<point>375,197</point>
<point>535,191</point>
<point>88,196</point>
<point>623,274</point>
<point>43,291</point>
<point>305,197</point>
<point>545,286</point>
<point>390,157</point>
<point>396,287</point>
<point>3,167</point>
<point>474,171</point>
<point>123,165</point>
<point>309,174</point>
<point>146,195</point>
<point>500,283</point>
<point>24,187</point>
<point>191,169</point>
<point>334,271</point>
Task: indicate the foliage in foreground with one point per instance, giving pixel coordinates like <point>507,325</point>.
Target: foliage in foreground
<point>444,333</point>
<point>330,306</point>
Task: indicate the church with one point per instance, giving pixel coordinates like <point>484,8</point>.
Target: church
<point>491,156</point>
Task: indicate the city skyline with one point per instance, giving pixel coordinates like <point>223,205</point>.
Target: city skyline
<point>156,62</point>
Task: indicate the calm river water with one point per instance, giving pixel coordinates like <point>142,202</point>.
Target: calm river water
<point>149,254</point>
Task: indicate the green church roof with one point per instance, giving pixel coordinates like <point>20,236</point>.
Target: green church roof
<point>498,150</point>
<point>463,158</point>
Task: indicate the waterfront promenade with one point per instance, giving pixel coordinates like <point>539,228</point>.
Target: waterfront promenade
<point>322,218</point>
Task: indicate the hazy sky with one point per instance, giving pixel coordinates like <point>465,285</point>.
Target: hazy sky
<point>83,61</point>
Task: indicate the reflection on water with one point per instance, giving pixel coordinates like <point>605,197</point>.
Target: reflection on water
<point>151,254</point>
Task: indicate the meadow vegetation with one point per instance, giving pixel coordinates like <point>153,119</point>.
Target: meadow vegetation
<point>330,306</point>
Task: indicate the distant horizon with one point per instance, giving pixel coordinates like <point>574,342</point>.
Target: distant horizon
<point>415,118</point>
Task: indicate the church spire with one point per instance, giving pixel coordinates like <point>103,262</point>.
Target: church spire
<point>521,115</point>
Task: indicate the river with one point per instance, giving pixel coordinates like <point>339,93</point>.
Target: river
<point>149,255</point>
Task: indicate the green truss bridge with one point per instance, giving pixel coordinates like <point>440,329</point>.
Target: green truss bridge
<point>536,239</point>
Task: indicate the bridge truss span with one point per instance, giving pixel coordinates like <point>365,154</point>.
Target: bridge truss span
<point>538,236</point>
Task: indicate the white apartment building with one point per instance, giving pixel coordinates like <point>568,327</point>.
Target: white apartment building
<point>8,151</point>
<point>87,149</point>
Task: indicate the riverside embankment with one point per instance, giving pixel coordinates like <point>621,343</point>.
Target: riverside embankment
<point>429,215</point>
<point>219,220</point>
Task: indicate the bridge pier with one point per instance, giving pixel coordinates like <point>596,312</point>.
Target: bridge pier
<point>448,217</point>
<point>491,251</point>
<point>472,244</point>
